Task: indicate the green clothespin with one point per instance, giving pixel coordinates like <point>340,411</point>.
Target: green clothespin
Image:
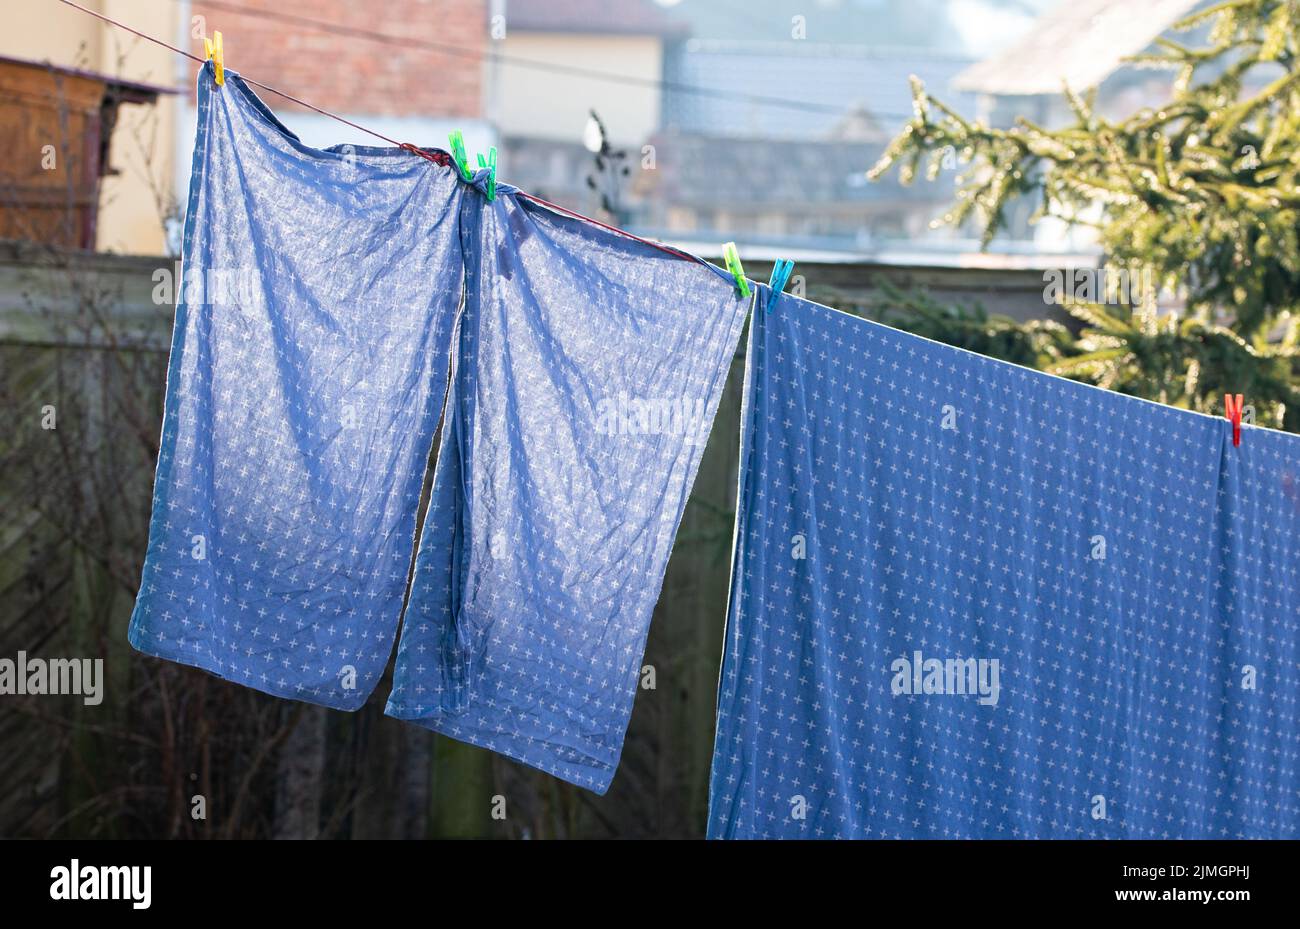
<point>491,165</point>
<point>780,277</point>
<point>732,258</point>
<point>458,153</point>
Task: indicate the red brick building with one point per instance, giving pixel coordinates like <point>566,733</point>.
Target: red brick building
<point>294,45</point>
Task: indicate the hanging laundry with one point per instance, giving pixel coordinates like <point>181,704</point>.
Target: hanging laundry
<point>971,600</point>
<point>589,369</point>
<point>307,373</point>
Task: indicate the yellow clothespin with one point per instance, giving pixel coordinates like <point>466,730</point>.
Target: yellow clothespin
<point>217,55</point>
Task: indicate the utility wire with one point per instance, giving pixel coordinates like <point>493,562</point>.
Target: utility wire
<point>460,51</point>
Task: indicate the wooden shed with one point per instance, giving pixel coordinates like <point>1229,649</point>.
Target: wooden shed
<point>55,128</point>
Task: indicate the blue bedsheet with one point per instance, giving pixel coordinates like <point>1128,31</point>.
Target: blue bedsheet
<point>308,369</point>
<point>589,368</point>
<point>971,600</point>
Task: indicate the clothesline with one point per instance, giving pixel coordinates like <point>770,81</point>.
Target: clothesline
<point>405,146</point>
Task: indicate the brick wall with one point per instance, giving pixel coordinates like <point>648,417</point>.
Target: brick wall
<point>348,74</point>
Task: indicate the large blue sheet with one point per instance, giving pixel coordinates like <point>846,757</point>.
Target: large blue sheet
<point>587,376</point>
<point>970,600</point>
<point>308,368</point>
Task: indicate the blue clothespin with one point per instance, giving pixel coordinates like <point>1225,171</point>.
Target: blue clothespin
<point>780,277</point>
<point>732,258</point>
<point>458,154</point>
<point>491,164</point>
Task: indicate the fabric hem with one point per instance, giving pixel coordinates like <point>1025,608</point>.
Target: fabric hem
<point>207,665</point>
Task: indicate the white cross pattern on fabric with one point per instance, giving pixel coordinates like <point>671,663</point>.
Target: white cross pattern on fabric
<point>910,514</point>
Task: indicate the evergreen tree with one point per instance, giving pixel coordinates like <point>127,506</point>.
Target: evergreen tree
<point>1200,196</point>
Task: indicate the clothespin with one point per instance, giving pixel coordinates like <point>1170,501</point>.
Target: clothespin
<point>1232,409</point>
<point>458,153</point>
<point>217,55</point>
<point>732,258</point>
<point>491,165</point>
<point>780,277</point>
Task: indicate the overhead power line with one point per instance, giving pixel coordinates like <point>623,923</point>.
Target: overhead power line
<point>460,51</point>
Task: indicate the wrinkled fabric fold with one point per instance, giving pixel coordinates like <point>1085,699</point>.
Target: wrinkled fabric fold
<point>971,600</point>
<point>589,367</point>
<point>308,367</point>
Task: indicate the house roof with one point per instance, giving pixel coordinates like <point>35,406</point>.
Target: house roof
<point>604,17</point>
<point>123,90</point>
<point>1079,43</point>
<point>710,171</point>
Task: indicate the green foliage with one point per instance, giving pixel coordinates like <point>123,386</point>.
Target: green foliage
<point>1201,194</point>
<point>1185,362</point>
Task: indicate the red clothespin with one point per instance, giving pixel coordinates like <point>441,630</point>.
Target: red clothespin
<point>1232,409</point>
